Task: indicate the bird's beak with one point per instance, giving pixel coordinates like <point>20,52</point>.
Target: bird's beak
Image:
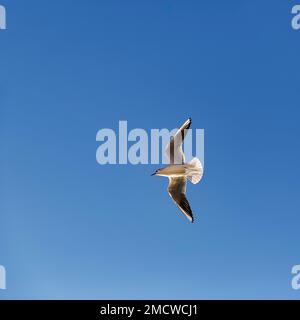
<point>153,174</point>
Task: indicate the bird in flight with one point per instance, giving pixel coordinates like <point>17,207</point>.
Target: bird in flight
<point>179,171</point>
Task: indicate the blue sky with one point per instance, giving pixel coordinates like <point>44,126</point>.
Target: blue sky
<point>72,229</point>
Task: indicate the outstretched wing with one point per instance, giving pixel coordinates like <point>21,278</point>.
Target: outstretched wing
<point>177,189</point>
<point>173,150</point>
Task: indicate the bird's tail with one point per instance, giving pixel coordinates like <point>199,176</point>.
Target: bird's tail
<point>194,170</point>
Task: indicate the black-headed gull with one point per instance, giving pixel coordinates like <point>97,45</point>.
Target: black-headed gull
<point>178,171</point>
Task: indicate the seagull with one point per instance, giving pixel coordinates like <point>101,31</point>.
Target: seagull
<point>179,171</point>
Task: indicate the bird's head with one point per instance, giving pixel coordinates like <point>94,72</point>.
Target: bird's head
<point>156,173</point>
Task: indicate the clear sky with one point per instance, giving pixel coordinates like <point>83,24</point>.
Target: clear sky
<point>70,228</point>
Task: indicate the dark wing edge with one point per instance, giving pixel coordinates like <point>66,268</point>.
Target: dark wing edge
<point>170,149</point>
<point>176,191</point>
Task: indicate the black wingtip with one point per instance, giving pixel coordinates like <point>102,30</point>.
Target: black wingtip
<point>191,218</point>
